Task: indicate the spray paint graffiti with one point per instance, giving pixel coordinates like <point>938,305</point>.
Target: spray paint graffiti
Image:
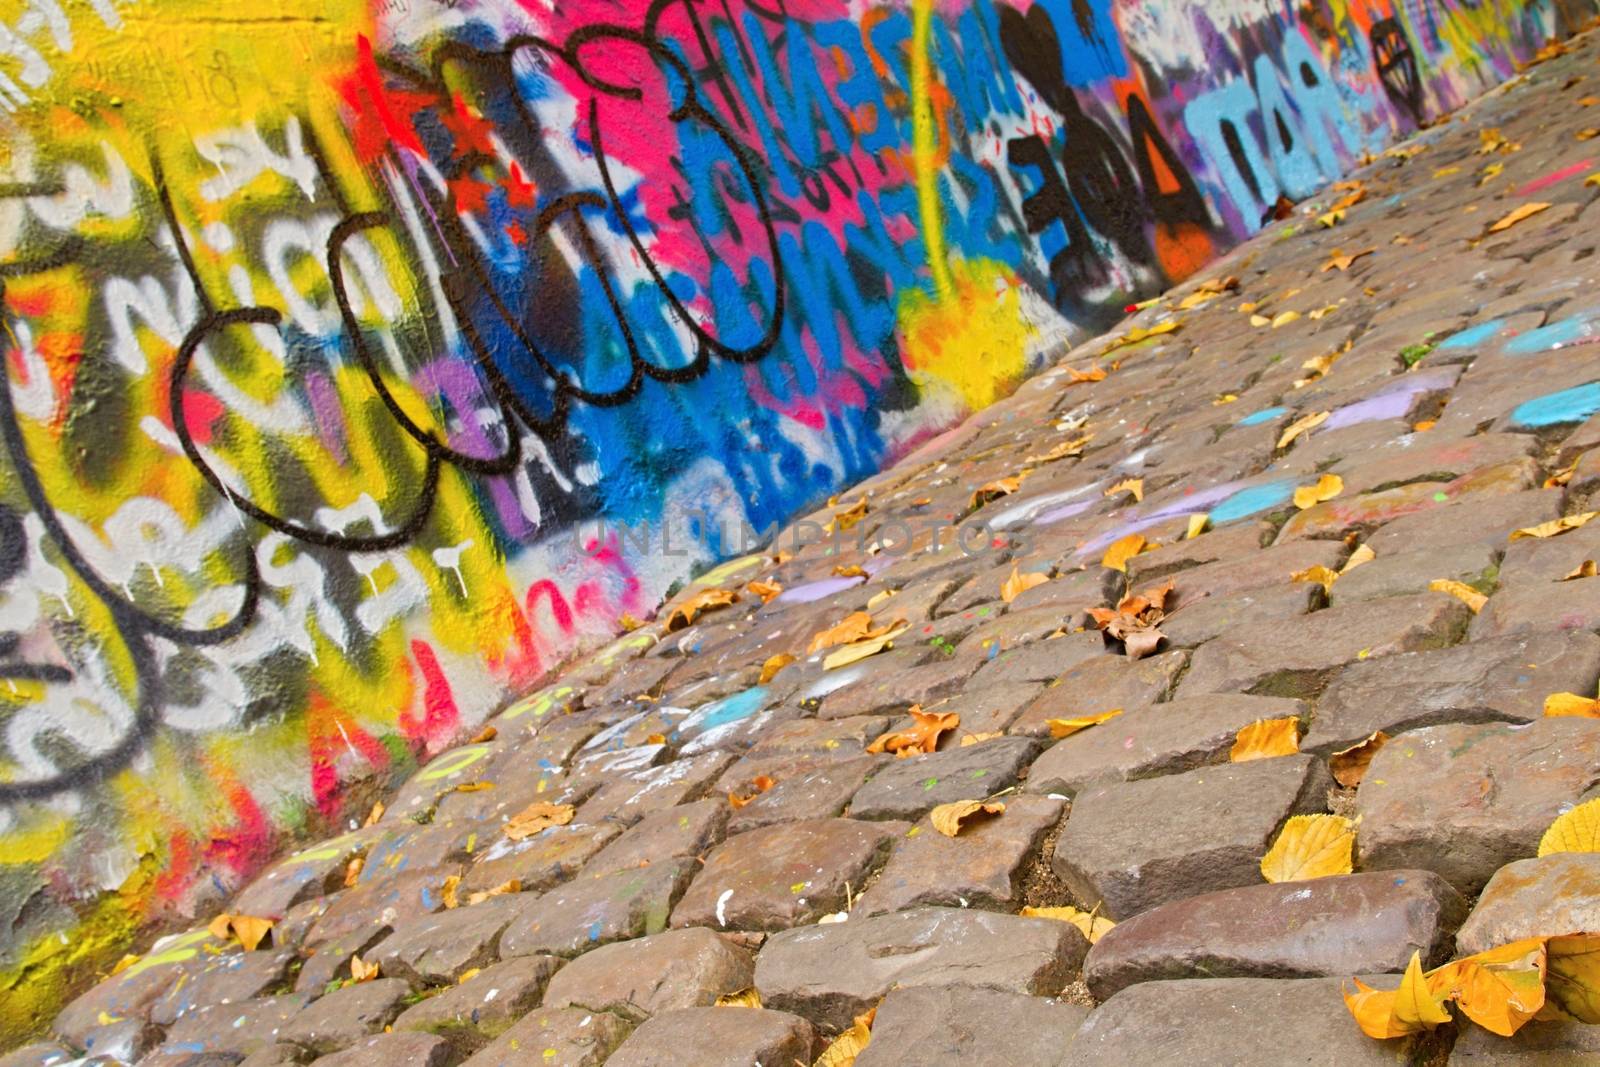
<point>324,332</point>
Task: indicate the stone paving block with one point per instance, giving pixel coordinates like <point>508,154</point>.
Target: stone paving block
<point>1537,1044</point>
<point>593,910</point>
<point>1414,457</point>
<point>487,1003</point>
<point>639,978</point>
<point>132,991</point>
<point>1253,611</point>
<point>232,976</point>
<point>1157,739</point>
<point>440,948</point>
<point>629,798</point>
<point>308,873</point>
<point>909,788</point>
<point>1235,1021</point>
<point>1042,660</point>
<point>1539,561</point>
<point>546,859</point>
<point>982,867</point>
<point>1464,800</point>
<point>1295,656</point>
<point>888,691</point>
<point>988,709</point>
<point>1271,566</point>
<point>1473,564</point>
<point>385,1050</point>
<point>125,1041</point>
<point>671,833</point>
<point>1101,684</point>
<point>841,738</point>
<point>1532,608</point>
<point>782,875</point>
<point>38,1054</point>
<point>234,1030</point>
<point>1554,894</point>
<point>1224,543</point>
<point>358,915</point>
<point>717,1037</point>
<point>409,847</point>
<point>1130,846</point>
<point>1485,520</point>
<point>1350,924</point>
<point>345,1016</point>
<point>963,1026</point>
<point>819,793</point>
<point>1496,679</point>
<point>563,1037</point>
<point>831,973</point>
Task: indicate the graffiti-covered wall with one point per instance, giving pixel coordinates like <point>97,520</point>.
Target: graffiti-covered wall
<point>333,329</point>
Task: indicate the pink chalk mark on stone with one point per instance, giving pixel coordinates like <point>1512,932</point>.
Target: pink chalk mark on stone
<point>1558,176</point>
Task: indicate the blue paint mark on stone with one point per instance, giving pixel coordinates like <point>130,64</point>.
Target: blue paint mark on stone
<point>1547,337</point>
<point>1473,336</point>
<point>1249,501</point>
<point>1264,415</point>
<point>731,708</point>
<point>1554,409</point>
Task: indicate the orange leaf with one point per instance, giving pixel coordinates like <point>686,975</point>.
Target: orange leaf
<point>856,626</point>
<point>1096,374</point>
<point>921,738</point>
<point>1018,583</point>
<point>1526,211</point>
<point>773,665</point>
<point>851,515</point>
<point>1128,485</point>
<point>1586,569</point>
<point>488,733</point>
<point>1060,728</point>
<point>538,816</point>
<point>1121,551</point>
<point>705,600</point>
<point>1558,705</point>
<point>764,588</point>
<point>1411,1009</point>
<point>996,489</point>
<point>1349,765</point>
<point>949,819</point>
<point>362,972</point>
<point>1266,738</point>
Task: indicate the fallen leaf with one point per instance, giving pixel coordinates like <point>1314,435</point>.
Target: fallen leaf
<point>1526,211</point>
<point>1326,488</point>
<point>1064,450</point>
<point>1588,134</point>
<point>848,570</point>
<point>921,738</point>
<point>352,871</point>
<point>1331,219</point>
<point>949,819</point>
<point>1425,425</point>
<point>1588,101</point>
<point>848,1045</point>
<point>1019,583</point>
<point>1140,333</point>
<point>1362,554</point>
<point>1323,312</point>
<point>1094,926</point>
<point>374,815</point>
<point>856,651</point>
<point>1266,738</point>
<point>1260,320</point>
<point>1593,179</point>
<point>1284,318</point>
<point>773,665</point>
<point>1344,260</point>
<point>1574,830</point>
<point>705,600</point>
<point>1586,569</point>
<point>1311,846</point>
<point>1319,574</point>
<point>1490,173</point>
<point>473,787</point>
<point>1197,526</point>
<point>856,626</point>
<point>1573,975</point>
<point>1224,398</point>
<point>996,489</point>
<point>1094,374</point>
<point>248,930</point>
<point>1461,591</point>
<point>1060,728</point>
<point>1318,366</point>
<point>843,520</point>
<point>1411,1009</point>
<point>765,588</point>
<point>540,815</point>
<point>980,738</point>
<point>488,733</point>
<point>1445,172</point>
<point>757,785</point>
<point>1349,765</point>
<point>1571,705</point>
<point>628,622</point>
<point>1300,426</point>
<point>1554,526</point>
<point>1491,140</point>
<point>1120,551</point>
<point>361,971</point>
<point>1128,485</point>
<point>1499,989</point>
<point>510,886</point>
<point>1135,619</point>
<point>1561,477</point>
<point>744,998</point>
<point>448,891</point>
<point>469,974</point>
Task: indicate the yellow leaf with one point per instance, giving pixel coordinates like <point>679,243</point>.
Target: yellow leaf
<point>1064,450</point>
<point>1197,526</point>
<point>860,650</point>
<point>1224,398</point>
<point>1284,318</point>
<point>374,815</point>
<point>848,570</point>
<point>1362,554</point>
<point>1561,477</point>
<point>1128,485</point>
<point>447,892</point>
<point>1319,574</point>
<point>843,520</point>
<point>1490,173</point>
<point>1445,172</point>
<point>1323,312</point>
<point>1593,179</point>
<point>1310,846</point>
<point>856,626</point>
<point>996,489</point>
<point>773,665</point>
<point>361,971</point>
<point>1326,488</point>
<point>1586,569</point>
<point>764,588</point>
<point>1425,425</point>
<point>469,974</point>
<point>512,885</point>
<point>1349,765</point>
<point>1331,219</point>
<point>1574,830</point>
<point>488,733</point>
<point>1093,926</point>
<point>980,738</point>
<point>848,1045</point>
<point>1588,133</point>
<point>1573,975</point>
<point>1557,705</point>
<point>248,930</point>
<point>949,819</point>
<point>474,787</point>
<point>1320,365</point>
<point>1461,591</point>
<point>1554,526</point>
<point>352,871</point>
<point>1060,728</point>
<point>538,816</point>
<point>1121,551</point>
<point>1300,426</point>
<point>1139,333</point>
<point>744,998</point>
<point>705,600</point>
<point>1266,738</point>
<point>1411,1009</point>
<point>1499,989</point>
<point>1095,374</point>
<point>1526,211</point>
<point>1019,583</point>
<point>921,738</point>
<point>1492,140</point>
<point>1260,320</point>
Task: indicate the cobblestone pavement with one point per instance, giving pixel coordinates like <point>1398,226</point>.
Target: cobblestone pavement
<point>737,797</point>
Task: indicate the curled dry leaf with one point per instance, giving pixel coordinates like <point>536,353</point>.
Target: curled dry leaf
<point>352,871</point>
<point>1349,765</point>
<point>996,489</point>
<point>848,1045</point>
<point>473,787</point>
<point>1319,574</point>
<point>1526,211</point>
<point>1094,926</point>
<point>1128,485</point>
<point>374,815</point>
<point>361,971</point>
<point>1284,318</point>
<point>856,626</point>
<point>1120,551</point>
<point>488,733</point>
<point>879,597</point>
<point>1554,527</point>
<point>1303,424</point>
<point>744,998</point>
<point>1325,488</point>
<point>1558,705</point>
<point>1574,830</point>
<point>1310,846</point>
<point>1586,569</point>
<point>773,665</point>
<point>1328,220</point>
<point>705,600</point>
<point>921,737</point>
<point>536,817</point>
<point>1135,619</point>
<point>758,785</point>
<point>248,930</point>
<point>1344,260</point>
<point>765,588</point>
<point>1461,591</point>
<point>1362,554</point>
<point>1060,728</point>
<point>510,886</point>
<point>848,517</point>
<point>1411,1009</point>
<point>1197,526</point>
<point>849,570</point>
<point>450,890</point>
<point>1266,738</point>
<point>1019,583</point>
<point>1094,374</point>
<point>1141,333</point>
<point>1069,448</point>
<point>950,819</point>
<point>860,650</point>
